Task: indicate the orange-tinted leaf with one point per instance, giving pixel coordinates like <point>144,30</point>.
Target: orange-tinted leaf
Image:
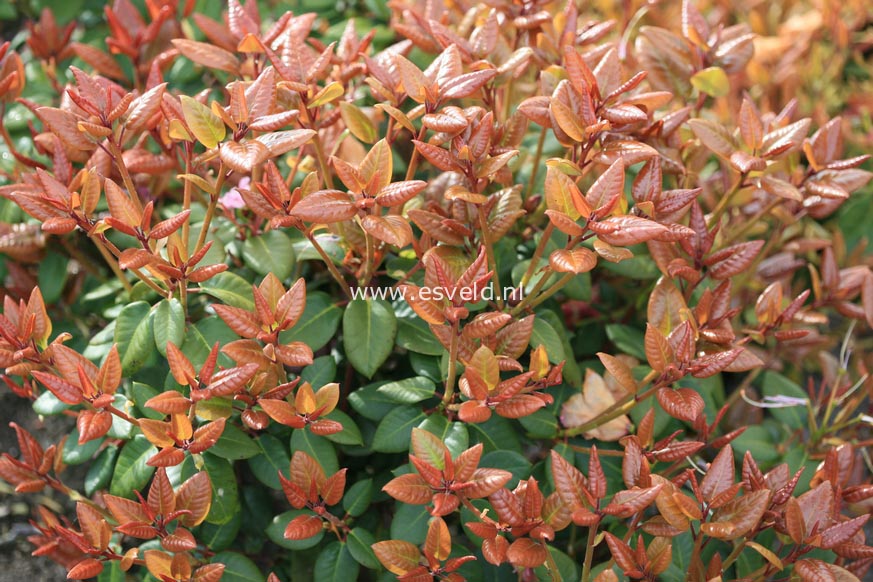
<point>65,391</point>
<point>526,553</point>
<point>325,206</point>
<point>738,516</point>
<point>569,481</point>
<point>484,482</point>
<point>397,556</point>
<point>87,568</point>
<point>303,527</point>
<point>195,495</point>
<point>681,403</point>
<point>658,350</point>
<point>579,260</point>
<point>622,553</point>
<point>438,543</point>
<point>243,157</point>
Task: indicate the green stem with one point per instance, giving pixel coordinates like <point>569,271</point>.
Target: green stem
<point>413,161</point>
<point>533,293</point>
<point>369,267</point>
<point>552,567</point>
<point>536,164</point>
<point>330,266</point>
<point>115,150</point>
<point>186,226</point>
<point>589,554</point>
<point>322,161</point>
<point>722,205</point>
<point>559,284</point>
<point>752,222</point>
<point>732,557</point>
<point>186,202</point>
<point>489,252</point>
<point>113,264</point>
<point>210,210</point>
<point>453,366</point>
<point>538,253</point>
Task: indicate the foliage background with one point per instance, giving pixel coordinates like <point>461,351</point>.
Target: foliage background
<point>837,79</point>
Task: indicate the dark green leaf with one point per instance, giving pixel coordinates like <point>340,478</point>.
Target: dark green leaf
<point>120,428</point>
<point>272,460</point>
<point>76,454</point>
<point>775,384</point>
<point>131,472</point>
<point>329,243</point>
<point>370,403</point>
<point>358,543</point>
<point>758,441</point>
<point>140,394</point>
<point>200,338</point>
<point>544,334</point>
<point>231,289</point>
<point>350,434</point>
<point>410,523</point>
<point>357,497</point>
<point>52,276</point>
<point>369,328</point>
<point>238,568</point>
<point>567,569</point>
<point>395,431</point>
<point>225,497</point>
<point>271,252</point>
<point>234,444</point>
<point>414,335</point>
<point>628,339</point>
<point>409,391</point>
<point>320,372</point>
<point>540,424</point>
<point>169,324</point>
<point>497,433</point>
<point>47,404</point>
<point>220,537</point>
<point>336,564</point>
<point>100,471</point>
<point>133,334</point>
<point>112,572</point>
<point>318,323</point>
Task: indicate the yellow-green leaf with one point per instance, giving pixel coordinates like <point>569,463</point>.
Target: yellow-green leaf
<point>328,94</point>
<point>712,81</point>
<point>206,126</point>
<point>358,123</point>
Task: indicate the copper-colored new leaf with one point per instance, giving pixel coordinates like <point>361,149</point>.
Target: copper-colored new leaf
<point>622,553</point>
<point>303,527</point>
<point>569,481</point>
<point>195,495</point>
<point>526,553</point>
<point>207,55</point>
<point>325,206</point>
<point>681,403</point>
<point>579,260</point>
<point>397,556</point>
<point>737,517</point>
<point>658,350</point>
<point>409,488</point>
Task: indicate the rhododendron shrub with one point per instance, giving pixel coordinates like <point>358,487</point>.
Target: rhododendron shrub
<point>500,291</point>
